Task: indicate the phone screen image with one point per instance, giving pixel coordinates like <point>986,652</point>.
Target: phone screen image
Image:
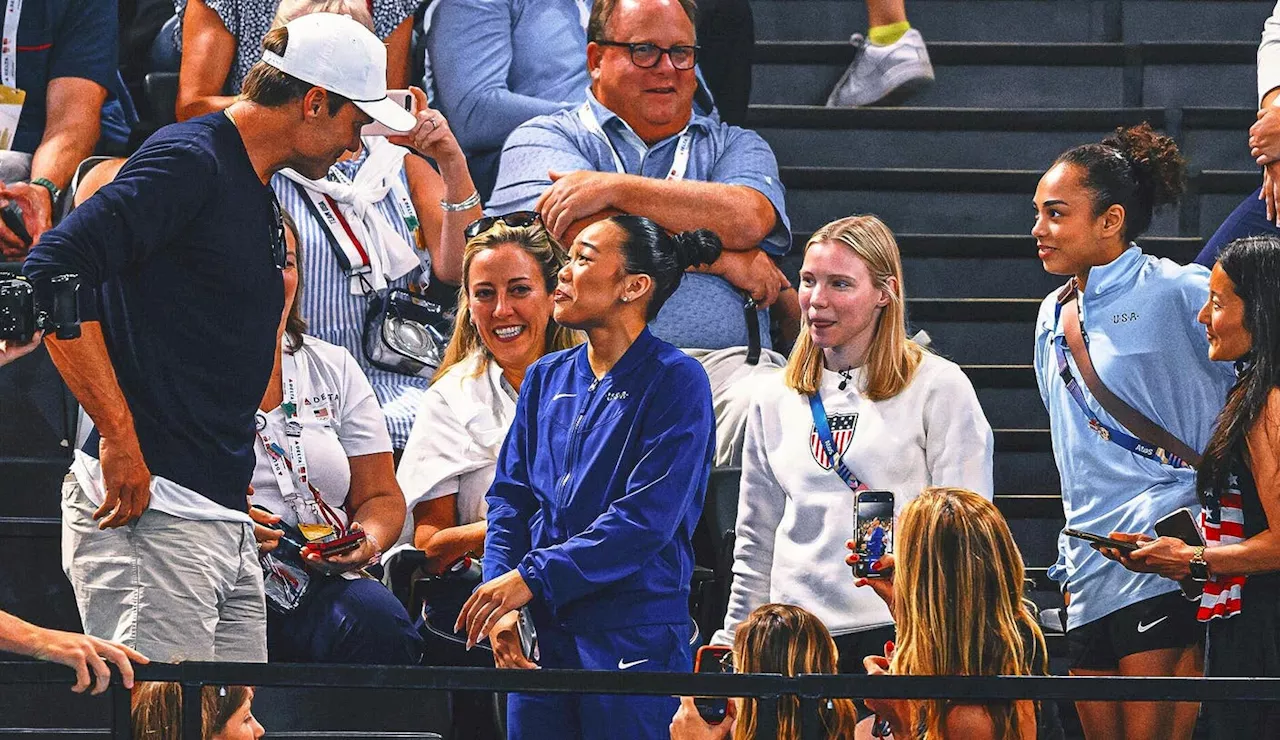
<point>874,534</point>
<point>713,659</point>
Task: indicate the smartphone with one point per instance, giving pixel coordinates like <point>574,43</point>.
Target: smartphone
<point>873,531</point>
<point>402,98</point>
<point>338,546</point>
<point>1098,539</point>
<point>1182,525</point>
<point>528,635</point>
<point>713,659</point>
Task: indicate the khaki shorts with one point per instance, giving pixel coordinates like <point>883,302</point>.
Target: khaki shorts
<point>172,589</point>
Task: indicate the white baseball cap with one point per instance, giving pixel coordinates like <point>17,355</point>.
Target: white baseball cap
<point>342,56</point>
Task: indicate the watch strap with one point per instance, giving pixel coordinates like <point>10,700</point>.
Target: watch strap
<point>55,192</point>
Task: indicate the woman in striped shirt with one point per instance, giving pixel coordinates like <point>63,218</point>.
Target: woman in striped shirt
<point>401,219</point>
<point>1239,484</point>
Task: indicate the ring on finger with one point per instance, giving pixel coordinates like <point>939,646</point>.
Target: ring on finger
<point>435,123</point>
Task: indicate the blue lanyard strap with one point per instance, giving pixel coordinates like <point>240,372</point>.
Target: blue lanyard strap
<point>1102,429</point>
<point>823,428</point>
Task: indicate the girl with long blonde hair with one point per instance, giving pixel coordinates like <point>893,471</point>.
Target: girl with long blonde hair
<point>956,593</point>
<point>859,405</point>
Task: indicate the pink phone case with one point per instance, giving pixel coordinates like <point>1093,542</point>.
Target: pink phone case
<point>405,99</point>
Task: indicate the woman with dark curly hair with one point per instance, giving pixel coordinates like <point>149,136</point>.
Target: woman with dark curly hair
<point>1124,325</point>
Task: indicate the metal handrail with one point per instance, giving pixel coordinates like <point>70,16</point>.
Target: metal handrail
<point>767,689</point>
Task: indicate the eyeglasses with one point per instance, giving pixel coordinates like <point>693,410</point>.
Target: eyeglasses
<point>646,55</point>
<point>515,219</point>
<point>279,249</point>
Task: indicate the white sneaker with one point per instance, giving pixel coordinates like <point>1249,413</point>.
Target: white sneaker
<point>878,72</point>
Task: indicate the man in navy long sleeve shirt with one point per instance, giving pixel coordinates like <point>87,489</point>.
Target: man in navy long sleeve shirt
<point>180,258</point>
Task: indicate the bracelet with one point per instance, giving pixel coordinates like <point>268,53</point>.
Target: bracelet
<point>54,191</point>
<point>465,205</point>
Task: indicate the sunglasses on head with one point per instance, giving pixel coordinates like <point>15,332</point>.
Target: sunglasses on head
<point>279,249</point>
<point>516,220</point>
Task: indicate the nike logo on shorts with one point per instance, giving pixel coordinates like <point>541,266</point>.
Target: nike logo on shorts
<point>622,666</point>
<point>563,395</point>
<point>1144,627</point>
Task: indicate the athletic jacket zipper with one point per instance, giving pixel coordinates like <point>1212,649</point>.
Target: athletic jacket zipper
<point>575,443</point>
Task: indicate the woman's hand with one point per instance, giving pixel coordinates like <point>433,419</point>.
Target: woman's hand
<point>896,711</point>
<point>504,638</point>
<point>883,586</point>
<point>689,725</point>
<point>432,137</point>
<point>267,537</point>
<point>347,561</point>
<point>489,603</point>
<point>1165,556</point>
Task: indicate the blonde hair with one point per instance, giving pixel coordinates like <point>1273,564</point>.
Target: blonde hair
<point>156,709</point>
<point>538,243</point>
<point>893,358</point>
<point>785,639</point>
<point>958,602</point>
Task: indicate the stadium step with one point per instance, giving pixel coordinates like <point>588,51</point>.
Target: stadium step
<point>1026,75</point>
<point>1023,20</point>
<point>980,201</point>
<point>985,138</point>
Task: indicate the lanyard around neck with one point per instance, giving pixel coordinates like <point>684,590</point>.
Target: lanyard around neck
<point>9,44</point>
<point>290,468</point>
<point>822,427</point>
<point>683,146</point>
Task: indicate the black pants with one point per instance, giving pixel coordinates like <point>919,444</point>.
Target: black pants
<point>1246,645</point>
<point>726,35</point>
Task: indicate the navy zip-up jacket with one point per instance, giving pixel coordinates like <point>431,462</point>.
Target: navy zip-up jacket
<point>600,484</point>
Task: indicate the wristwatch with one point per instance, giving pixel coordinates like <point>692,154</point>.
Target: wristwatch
<point>55,192</point>
<point>1198,566</point>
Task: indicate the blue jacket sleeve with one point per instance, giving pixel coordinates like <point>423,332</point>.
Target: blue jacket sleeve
<point>159,190</point>
<point>470,46</point>
<point>678,433</point>
<point>510,498</point>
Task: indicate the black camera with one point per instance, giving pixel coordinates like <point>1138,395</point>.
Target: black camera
<point>21,315</point>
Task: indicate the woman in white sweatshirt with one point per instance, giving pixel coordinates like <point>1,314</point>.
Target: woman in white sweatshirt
<point>902,419</point>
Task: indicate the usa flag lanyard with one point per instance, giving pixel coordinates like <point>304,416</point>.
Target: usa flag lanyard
<point>295,461</point>
<point>823,428</point>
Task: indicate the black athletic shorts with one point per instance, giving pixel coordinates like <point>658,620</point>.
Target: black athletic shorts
<point>1164,621</point>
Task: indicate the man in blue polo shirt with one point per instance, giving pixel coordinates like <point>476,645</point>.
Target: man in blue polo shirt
<point>57,66</point>
<point>638,146</point>
<point>180,256</point>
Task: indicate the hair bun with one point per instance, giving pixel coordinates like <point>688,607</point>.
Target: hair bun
<point>700,247</point>
<point>1158,166</point>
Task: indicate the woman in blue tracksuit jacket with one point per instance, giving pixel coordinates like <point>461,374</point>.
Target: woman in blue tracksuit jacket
<point>599,485</point>
<point>1138,316</point>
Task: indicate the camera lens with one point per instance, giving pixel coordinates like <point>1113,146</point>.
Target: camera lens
<point>411,337</point>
